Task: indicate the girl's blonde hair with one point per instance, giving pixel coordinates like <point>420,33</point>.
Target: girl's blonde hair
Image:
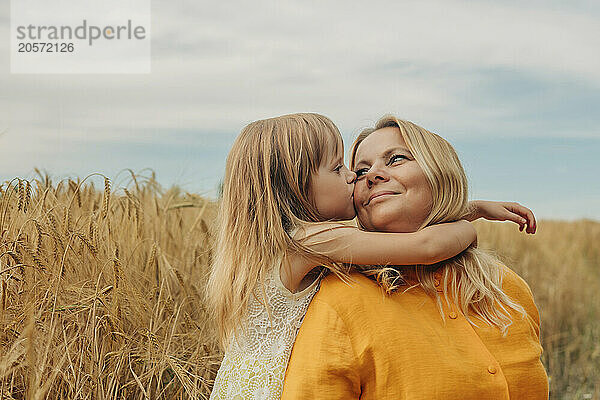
<point>265,195</point>
<point>475,276</point>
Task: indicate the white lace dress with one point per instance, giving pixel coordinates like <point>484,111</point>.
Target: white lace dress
<point>254,365</point>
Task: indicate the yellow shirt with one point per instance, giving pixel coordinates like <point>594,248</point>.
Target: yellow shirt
<point>356,342</point>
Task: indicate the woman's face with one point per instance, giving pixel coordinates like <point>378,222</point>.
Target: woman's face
<point>391,193</point>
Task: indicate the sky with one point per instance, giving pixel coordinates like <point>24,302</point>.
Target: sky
<point>513,85</point>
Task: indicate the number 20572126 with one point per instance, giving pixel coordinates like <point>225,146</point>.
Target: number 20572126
<point>45,47</point>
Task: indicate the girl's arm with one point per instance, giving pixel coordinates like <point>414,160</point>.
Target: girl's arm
<point>348,244</point>
<point>503,211</point>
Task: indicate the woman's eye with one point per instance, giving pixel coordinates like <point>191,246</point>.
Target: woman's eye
<point>397,157</point>
<point>337,169</point>
<point>360,172</point>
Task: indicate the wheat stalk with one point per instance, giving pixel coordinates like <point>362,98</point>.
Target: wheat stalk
<point>58,242</point>
<point>75,188</point>
<point>21,193</point>
<point>32,254</point>
<point>40,232</point>
<point>151,263</point>
<point>87,243</point>
<point>67,220</point>
<point>27,196</point>
<point>106,198</point>
<point>118,272</point>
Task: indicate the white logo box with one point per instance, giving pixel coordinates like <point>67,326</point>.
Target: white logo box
<point>80,36</point>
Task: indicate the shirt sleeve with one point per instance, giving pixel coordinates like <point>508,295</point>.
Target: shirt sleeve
<point>322,365</point>
<point>520,291</point>
<point>532,311</point>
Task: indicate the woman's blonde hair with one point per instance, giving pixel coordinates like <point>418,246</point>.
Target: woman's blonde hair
<point>265,196</point>
<point>475,276</point>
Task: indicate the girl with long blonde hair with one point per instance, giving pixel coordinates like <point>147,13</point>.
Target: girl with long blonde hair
<point>285,184</point>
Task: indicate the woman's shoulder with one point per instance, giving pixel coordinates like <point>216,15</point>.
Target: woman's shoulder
<point>518,290</point>
<point>514,285</point>
<point>347,292</point>
<point>355,281</point>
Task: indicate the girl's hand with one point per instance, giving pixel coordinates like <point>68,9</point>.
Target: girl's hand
<point>503,211</point>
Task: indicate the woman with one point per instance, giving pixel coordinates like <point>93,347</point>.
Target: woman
<point>468,330</point>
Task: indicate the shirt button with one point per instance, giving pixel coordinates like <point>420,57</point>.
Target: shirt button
<point>492,370</point>
<point>453,315</point>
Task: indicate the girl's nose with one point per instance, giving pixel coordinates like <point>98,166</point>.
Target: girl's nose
<point>351,177</point>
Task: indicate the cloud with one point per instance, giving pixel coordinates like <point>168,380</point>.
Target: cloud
<point>216,66</point>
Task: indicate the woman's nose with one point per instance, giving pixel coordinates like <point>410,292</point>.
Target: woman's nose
<point>375,175</point>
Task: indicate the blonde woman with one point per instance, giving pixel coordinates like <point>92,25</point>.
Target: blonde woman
<point>466,329</point>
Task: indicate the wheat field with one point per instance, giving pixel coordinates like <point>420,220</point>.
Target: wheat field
<point>101,291</point>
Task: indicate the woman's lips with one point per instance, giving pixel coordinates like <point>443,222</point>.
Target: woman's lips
<point>376,195</point>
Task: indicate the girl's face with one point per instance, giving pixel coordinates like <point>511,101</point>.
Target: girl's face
<point>392,193</point>
<point>331,189</point>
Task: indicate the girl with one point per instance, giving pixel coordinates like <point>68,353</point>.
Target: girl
<point>285,181</point>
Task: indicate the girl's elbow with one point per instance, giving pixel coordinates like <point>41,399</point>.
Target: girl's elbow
<point>431,252</point>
